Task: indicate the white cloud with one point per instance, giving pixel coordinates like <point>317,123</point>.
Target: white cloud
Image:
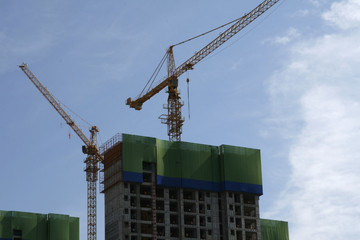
<point>325,161</point>
<point>302,12</point>
<point>289,36</point>
<point>316,3</point>
<point>344,14</point>
<point>316,102</point>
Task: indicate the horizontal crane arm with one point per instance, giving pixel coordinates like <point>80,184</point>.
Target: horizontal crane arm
<point>137,104</point>
<point>200,55</point>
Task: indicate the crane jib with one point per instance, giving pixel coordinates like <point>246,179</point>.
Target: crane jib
<point>205,51</point>
<point>57,107</point>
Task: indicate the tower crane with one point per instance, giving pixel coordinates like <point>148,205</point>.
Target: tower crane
<point>173,119</point>
<point>90,148</point>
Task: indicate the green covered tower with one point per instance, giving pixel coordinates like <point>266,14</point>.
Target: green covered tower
<point>34,226</point>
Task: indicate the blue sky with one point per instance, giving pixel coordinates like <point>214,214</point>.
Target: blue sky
<point>288,85</point>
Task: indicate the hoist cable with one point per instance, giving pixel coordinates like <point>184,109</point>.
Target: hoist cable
<point>158,70</point>
<point>71,111</point>
<point>250,30</point>
<point>155,73</point>
<point>206,32</point>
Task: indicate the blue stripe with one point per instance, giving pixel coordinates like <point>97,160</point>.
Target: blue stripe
<point>242,187</point>
<point>199,184</point>
<point>132,177</point>
<point>209,186</point>
<point>196,184</point>
<point>168,181</point>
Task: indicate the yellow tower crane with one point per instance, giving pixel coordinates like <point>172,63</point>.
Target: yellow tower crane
<point>173,119</point>
<point>90,148</point>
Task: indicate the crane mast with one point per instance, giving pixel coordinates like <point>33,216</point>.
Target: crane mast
<point>93,156</point>
<point>173,119</point>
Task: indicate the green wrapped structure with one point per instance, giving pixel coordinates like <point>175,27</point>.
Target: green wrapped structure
<point>192,165</point>
<point>274,230</point>
<point>34,226</point>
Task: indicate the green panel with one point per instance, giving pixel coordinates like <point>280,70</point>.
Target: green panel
<point>42,227</point>
<point>169,158</point>
<point>274,230</point>
<point>184,164</point>
<point>137,149</point>
<point>58,227</point>
<point>199,161</point>
<point>215,164</point>
<point>187,160</point>
<point>26,222</point>
<point>74,228</point>
<point>239,164</point>
<point>39,226</point>
<point>5,224</point>
<point>32,225</point>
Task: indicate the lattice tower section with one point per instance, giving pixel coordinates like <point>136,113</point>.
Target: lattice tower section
<point>173,119</point>
<point>92,168</point>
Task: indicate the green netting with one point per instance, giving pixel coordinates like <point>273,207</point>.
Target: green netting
<point>274,230</point>
<point>5,224</point>
<point>42,227</point>
<point>74,228</point>
<point>168,159</point>
<point>138,149</point>
<point>187,160</point>
<point>199,161</point>
<point>35,226</point>
<point>58,227</point>
<point>183,164</point>
<point>239,164</point>
<point>27,222</point>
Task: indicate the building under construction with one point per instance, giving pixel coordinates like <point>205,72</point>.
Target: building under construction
<point>156,189</point>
